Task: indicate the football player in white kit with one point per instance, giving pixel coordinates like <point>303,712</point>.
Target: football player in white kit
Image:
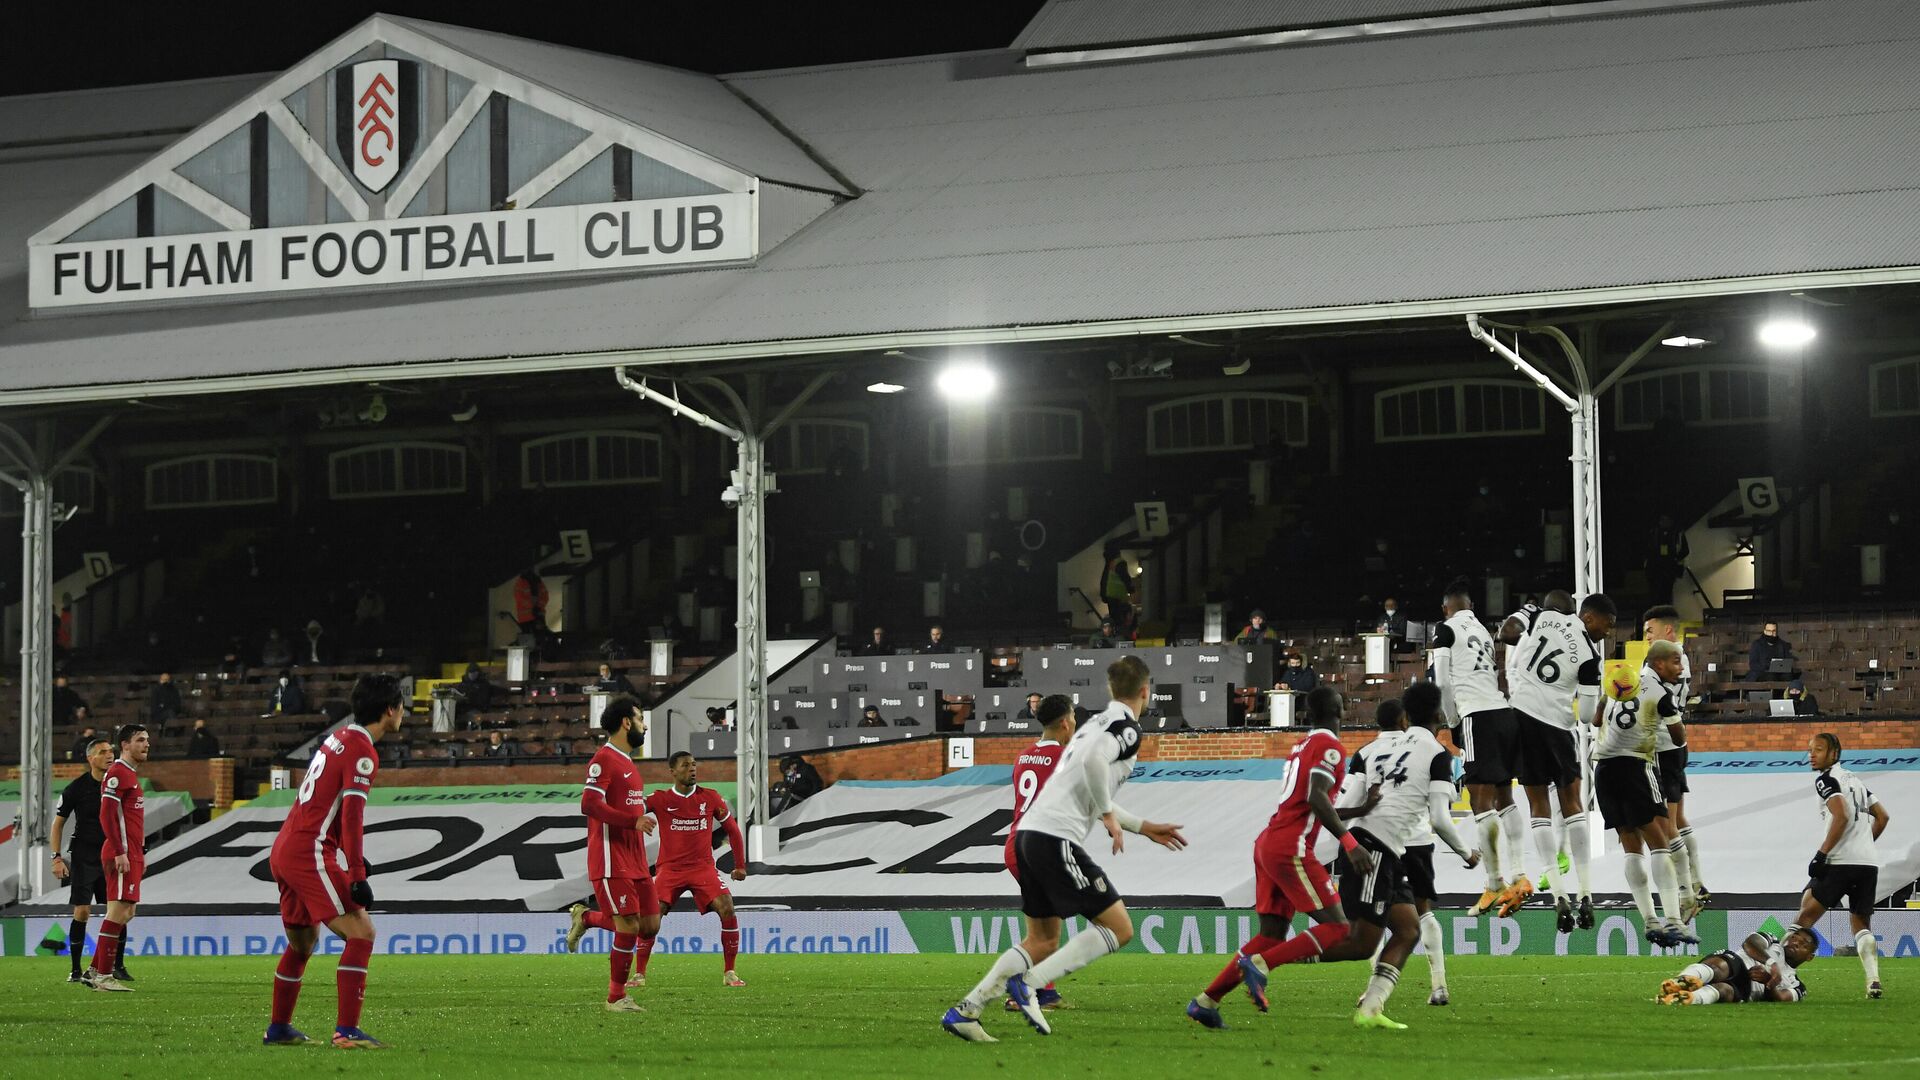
<point>1462,654</point>
<point>1845,867</point>
<point>1628,790</point>
<point>1553,686</point>
<point>1663,624</point>
<point>1763,968</point>
<point>1057,877</point>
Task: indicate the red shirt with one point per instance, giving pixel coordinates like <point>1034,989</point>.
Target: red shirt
<point>613,802</point>
<point>1030,773</point>
<point>1320,752</point>
<point>123,814</point>
<point>686,828</point>
<point>329,815</point>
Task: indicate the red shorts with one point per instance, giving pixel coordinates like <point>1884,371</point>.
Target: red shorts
<point>626,896</point>
<point>1286,882</point>
<point>124,887</point>
<point>309,897</point>
<point>706,888</point>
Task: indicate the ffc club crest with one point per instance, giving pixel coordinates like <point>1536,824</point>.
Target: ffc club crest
<point>374,118</point>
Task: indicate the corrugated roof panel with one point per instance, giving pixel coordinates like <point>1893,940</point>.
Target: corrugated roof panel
<point>1068,23</point>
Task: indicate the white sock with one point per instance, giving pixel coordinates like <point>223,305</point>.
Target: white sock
<point>1698,971</point>
<point>1378,948</point>
<point>1488,825</point>
<point>1682,868</point>
<point>1706,995</point>
<point>1515,863</point>
<point>1090,945</point>
<point>1011,963</point>
<point>1548,851</point>
<point>1580,846</point>
<point>1869,954</point>
<point>1637,885</point>
<point>1379,989</point>
<point>1693,853</point>
<point>1660,863</point>
<point>1436,949</point>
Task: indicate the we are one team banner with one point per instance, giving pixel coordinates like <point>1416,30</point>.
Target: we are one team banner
<point>1164,931</point>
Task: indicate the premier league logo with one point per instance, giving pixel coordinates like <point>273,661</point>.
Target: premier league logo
<point>374,118</point>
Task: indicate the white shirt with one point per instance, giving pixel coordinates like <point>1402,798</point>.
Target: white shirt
<point>1663,739</point>
<point>1630,728</point>
<point>1552,660</point>
<point>1526,615</point>
<point>1096,762</point>
<point>1856,840</point>
<point>1463,668</point>
<point>1775,960</point>
<point>1407,766</point>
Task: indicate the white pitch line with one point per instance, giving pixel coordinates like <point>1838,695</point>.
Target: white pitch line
<point>1741,1070</point>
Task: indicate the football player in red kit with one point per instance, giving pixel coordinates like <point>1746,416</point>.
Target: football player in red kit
<point>688,814</point>
<point>320,868</point>
<point>1030,774</point>
<point>617,849</point>
<point>1286,876</point>
<point>123,852</point>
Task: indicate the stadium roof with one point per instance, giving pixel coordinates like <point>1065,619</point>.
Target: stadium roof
<point>1700,149</point>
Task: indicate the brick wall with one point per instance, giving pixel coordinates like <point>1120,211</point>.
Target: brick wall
<point>198,777</point>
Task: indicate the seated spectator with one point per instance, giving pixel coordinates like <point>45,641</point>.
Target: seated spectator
<point>202,744</point>
<point>68,706</point>
<point>935,641</point>
<point>870,717</point>
<point>879,646</point>
<point>1256,631</point>
<point>1104,638</point>
<point>78,752</point>
<point>163,703</point>
<point>1297,676</point>
<point>232,664</point>
<point>288,696</point>
<point>799,781</point>
<point>1765,649</point>
<point>498,746</point>
<point>788,723</point>
<point>905,721</point>
<point>275,652</point>
<point>474,689</point>
<point>612,683</point>
<point>1393,621</point>
<point>1030,711</point>
<point>717,718</point>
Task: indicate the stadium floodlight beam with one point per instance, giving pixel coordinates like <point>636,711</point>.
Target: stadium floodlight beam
<point>965,381</point>
<point>1786,333</point>
<point>1682,341</point>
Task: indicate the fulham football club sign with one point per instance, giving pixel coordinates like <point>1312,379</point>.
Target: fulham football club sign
<point>374,119</point>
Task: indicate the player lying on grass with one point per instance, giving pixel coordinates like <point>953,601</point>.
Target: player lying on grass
<point>1763,968</point>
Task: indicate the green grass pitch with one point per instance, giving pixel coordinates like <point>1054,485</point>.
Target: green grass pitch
<point>509,1018</point>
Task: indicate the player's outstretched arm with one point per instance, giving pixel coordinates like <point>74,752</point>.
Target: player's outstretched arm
<point>738,844</point>
<point>594,804</point>
<point>1166,835</point>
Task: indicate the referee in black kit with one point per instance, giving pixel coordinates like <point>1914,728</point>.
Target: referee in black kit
<point>82,871</point>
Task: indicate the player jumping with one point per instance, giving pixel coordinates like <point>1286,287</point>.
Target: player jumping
<point>1845,867</point>
<point>616,850</point>
<point>1628,790</point>
<point>319,864</point>
<point>1484,730</point>
<point>1030,774</point>
<point>1057,878</point>
<point>1763,969</point>
<point>688,815</point>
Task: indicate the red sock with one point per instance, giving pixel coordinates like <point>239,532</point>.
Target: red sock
<point>599,920</point>
<point>351,980</point>
<point>1318,938</point>
<point>1229,976</point>
<point>642,952</point>
<point>107,946</point>
<point>729,940</point>
<point>619,961</point>
<point>286,984</point>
